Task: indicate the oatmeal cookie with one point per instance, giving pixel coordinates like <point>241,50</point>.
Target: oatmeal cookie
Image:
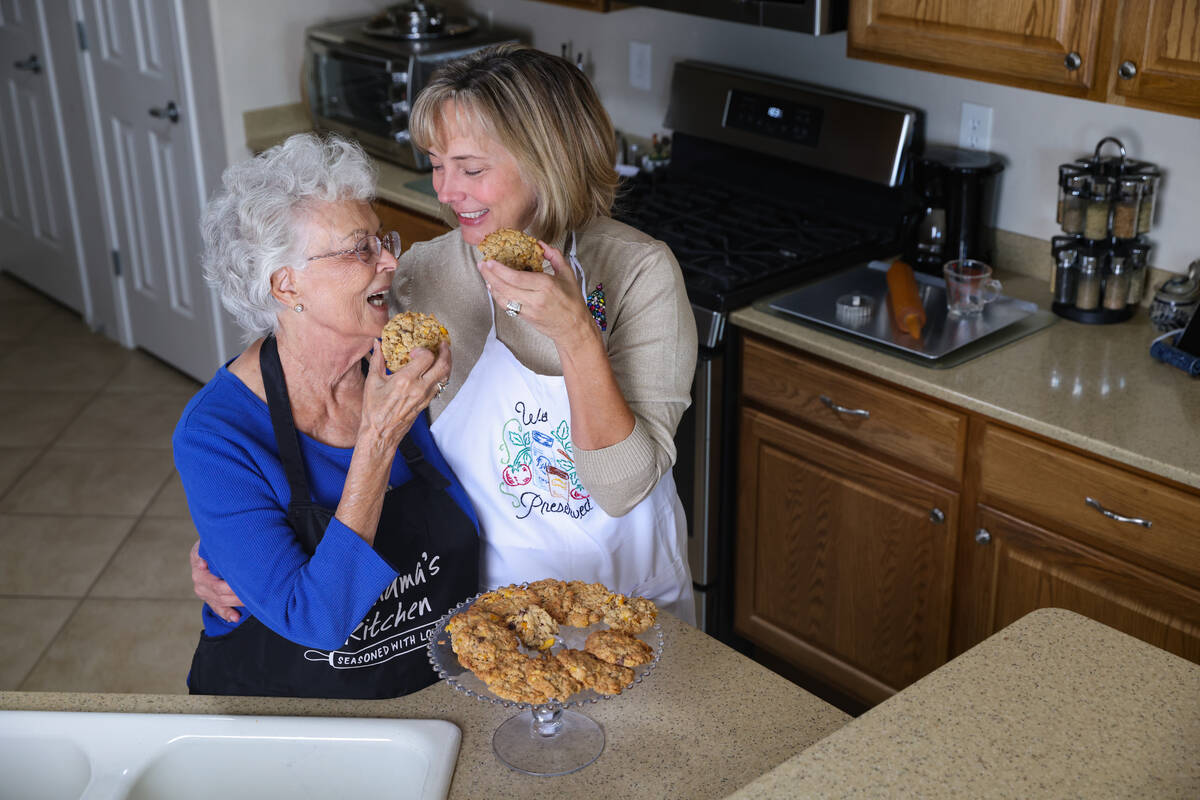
<point>629,614</point>
<point>407,331</point>
<point>513,249</point>
<point>534,627</point>
<point>554,597</point>
<point>506,601</point>
<point>480,640</point>
<point>551,677</point>
<point>509,678</point>
<point>618,648</point>
<point>587,603</point>
<point>593,673</point>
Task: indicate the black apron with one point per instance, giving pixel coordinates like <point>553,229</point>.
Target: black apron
<point>422,533</point>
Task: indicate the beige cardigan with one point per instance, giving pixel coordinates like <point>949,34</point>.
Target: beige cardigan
<point>651,341</point>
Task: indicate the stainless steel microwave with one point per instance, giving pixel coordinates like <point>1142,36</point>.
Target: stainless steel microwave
<point>362,78</point>
<point>804,16</point>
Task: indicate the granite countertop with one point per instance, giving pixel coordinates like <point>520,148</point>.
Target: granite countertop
<point>704,723</point>
<point>1054,705</point>
<point>1092,386</point>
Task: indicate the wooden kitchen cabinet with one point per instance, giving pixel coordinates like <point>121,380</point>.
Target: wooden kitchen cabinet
<point>1015,567</point>
<point>411,226</point>
<point>1070,47</point>
<point>844,556</point>
<point>881,532</point>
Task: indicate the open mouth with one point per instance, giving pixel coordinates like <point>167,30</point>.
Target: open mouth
<point>378,299</point>
<point>472,215</point>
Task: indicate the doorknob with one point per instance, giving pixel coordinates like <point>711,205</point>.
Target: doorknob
<point>171,112</point>
<point>30,64</point>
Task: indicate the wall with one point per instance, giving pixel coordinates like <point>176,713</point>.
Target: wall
<point>260,46</point>
<point>1035,131</point>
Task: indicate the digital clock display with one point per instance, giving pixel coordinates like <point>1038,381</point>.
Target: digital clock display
<point>771,116</point>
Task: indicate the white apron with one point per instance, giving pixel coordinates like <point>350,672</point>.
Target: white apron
<point>507,436</point>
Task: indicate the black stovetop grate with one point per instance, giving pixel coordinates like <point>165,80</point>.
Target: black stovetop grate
<point>729,240</point>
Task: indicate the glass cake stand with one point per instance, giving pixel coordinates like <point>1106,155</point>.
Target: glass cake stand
<point>546,739</point>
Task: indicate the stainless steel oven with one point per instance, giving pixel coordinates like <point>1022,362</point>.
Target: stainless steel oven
<point>361,75</point>
<point>771,183</point>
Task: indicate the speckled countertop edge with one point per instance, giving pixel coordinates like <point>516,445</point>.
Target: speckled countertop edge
<point>1055,705</point>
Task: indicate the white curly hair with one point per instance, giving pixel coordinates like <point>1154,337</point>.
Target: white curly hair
<point>256,223</point>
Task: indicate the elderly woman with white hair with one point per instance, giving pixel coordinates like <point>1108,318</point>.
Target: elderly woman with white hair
<point>310,472</point>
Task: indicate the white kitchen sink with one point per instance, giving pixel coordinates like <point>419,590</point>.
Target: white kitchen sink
<point>47,755</point>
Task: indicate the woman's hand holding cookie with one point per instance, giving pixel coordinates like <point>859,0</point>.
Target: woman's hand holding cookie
<point>392,402</point>
<point>551,303</point>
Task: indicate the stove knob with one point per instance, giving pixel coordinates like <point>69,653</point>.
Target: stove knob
<point>854,309</point>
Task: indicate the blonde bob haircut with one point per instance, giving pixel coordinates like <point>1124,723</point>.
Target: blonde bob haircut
<point>542,110</point>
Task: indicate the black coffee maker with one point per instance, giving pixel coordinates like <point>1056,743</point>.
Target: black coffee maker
<point>955,194</point>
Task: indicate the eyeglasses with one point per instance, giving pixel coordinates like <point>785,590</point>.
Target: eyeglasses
<point>368,248</point>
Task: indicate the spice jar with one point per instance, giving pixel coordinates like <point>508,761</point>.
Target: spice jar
<point>1087,289</point>
<point>1125,210</point>
<point>1095,224</point>
<point>1116,283</point>
<point>1149,195</point>
<point>1139,254</point>
<point>1075,203</point>
<point>1066,174</point>
<point>1065,277</point>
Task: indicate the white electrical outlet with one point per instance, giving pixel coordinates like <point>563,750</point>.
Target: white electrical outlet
<point>639,65</point>
<point>975,132</point>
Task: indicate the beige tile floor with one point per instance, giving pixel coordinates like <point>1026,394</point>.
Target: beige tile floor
<point>95,594</point>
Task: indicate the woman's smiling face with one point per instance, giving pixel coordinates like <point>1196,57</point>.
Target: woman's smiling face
<point>478,179</point>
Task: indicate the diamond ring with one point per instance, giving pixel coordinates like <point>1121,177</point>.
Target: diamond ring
<point>512,308</point>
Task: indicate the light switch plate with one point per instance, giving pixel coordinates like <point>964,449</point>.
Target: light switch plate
<point>639,65</point>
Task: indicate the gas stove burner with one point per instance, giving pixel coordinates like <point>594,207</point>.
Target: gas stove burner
<point>415,20</point>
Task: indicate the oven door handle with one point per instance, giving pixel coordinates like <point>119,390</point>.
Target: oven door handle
<point>849,412</point>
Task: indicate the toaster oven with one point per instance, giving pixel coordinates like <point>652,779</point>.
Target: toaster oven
<point>362,75</point>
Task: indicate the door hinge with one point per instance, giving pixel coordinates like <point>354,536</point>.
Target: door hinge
<point>116,259</point>
<point>82,31</point>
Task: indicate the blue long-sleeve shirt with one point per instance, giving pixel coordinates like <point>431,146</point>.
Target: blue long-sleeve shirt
<point>238,495</point>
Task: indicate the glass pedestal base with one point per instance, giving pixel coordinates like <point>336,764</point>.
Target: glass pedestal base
<point>546,740</point>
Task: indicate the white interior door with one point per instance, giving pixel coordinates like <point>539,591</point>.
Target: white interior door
<point>35,206</point>
<point>148,164</point>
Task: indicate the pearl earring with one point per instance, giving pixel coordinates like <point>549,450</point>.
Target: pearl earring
<point>298,307</point>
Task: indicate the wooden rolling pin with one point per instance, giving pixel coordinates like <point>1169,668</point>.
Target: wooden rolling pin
<point>904,299</point>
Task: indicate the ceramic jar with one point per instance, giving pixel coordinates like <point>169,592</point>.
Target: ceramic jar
<point>1176,300</point>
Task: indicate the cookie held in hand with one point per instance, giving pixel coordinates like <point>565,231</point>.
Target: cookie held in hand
<point>407,331</point>
<point>512,249</point>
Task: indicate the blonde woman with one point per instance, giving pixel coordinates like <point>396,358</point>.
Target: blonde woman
<point>566,388</point>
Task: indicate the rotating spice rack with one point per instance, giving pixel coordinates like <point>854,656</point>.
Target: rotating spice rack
<point>1105,205</point>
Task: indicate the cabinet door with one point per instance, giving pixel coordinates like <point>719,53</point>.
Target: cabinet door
<point>411,226</point>
<point>1159,39</point>
<point>1017,567</point>
<point>1016,42</point>
<point>843,563</point>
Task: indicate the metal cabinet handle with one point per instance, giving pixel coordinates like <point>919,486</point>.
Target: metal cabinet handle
<point>1127,70</point>
<point>937,515</point>
<point>30,64</point>
<point>1073,61</point>
<point>171,112</point>
<point>982,536</point>
<point>1145,523</point>
<point>850,412</point>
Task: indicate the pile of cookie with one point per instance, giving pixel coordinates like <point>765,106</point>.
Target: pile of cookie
<point>489,635</point>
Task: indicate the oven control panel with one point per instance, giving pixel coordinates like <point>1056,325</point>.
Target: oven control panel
<point>769,116</point>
